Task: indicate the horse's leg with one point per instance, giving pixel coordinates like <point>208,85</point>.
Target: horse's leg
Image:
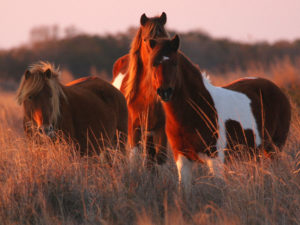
<point>135,146</point>
<point>150,149</point>
<point>160,142</point>
<point>134,137</point>
<point>276,142</point>
<point>184,167</point>
<point>122,129</point>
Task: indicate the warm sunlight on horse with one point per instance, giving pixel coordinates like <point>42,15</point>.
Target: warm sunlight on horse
<point>89,110</point>
<point>203,120</point>
<point>146,116</point>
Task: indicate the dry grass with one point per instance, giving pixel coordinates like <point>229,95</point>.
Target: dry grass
<point>283,72</point>
<point>50,184</point>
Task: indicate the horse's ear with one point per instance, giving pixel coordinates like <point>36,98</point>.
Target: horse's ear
<point>152,43</point>
<point>163,18</point>
<point>48,73</point>
<point>27,74</point>
<point>144,19</point>
<point>175,43</point>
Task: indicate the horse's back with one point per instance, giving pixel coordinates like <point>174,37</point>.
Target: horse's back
<point>80,81</point>
<point>267,99</point>
<point>260,89</point>
<point>96,103</point>
<point>120,66</point>
<point>99,87</point>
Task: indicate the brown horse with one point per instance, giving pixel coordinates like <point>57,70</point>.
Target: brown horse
<point>203,120</point>
<point>88,110</point>
<point>146,116</point>
<point>154,28</point>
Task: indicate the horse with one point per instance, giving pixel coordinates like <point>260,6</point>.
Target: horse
<point>146,115</point>
<point>204,121</point>
<point>155,28</point>
<point>89,111</point>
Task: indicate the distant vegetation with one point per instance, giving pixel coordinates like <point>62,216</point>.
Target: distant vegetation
<point>83,54</point>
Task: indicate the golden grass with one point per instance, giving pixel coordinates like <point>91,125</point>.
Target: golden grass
<point>50,184</point>
<point>283,72</point>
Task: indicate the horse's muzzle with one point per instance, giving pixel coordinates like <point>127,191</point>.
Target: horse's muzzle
<point>47,130</point>
<point>165,94</point>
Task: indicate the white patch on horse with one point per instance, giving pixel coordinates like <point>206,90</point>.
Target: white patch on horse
<point>249,78</point>
<point>215,165</point>
<point>231,105</point>
<point>184,167</point>
<point>164,58</point>
<point>133,154</point>
<point>206,76</point>
<point>118,81</point>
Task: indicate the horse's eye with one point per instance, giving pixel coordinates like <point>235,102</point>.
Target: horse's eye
<point>30,97</point>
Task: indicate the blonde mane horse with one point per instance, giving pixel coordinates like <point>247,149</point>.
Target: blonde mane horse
<point>90,110</point>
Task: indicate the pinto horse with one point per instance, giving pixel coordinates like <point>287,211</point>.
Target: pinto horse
<point>146,115</point>
<point>203,120</point>
<point>88,110</point>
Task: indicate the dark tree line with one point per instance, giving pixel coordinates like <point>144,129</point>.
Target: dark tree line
<point>80,53</point>
<point>77,54</point>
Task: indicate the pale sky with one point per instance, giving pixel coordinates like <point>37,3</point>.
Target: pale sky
<point>243,20</point>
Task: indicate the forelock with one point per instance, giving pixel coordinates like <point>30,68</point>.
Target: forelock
<point>154,29</point>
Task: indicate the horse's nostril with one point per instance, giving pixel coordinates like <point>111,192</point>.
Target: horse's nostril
<point>166,94</point>
<point>159,91</point>
<point>46,129</point>
<point>170,91</point>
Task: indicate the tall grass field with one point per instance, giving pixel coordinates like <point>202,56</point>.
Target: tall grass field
<point>51,184</point>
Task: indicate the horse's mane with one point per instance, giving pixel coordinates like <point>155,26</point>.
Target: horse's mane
<point>188,67</point>
<point>35,83</point>
<point>135,66</point>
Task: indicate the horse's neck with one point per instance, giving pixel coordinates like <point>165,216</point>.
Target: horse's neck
<point>145,95</point>
<point>191,84</point>
<point>143,79</point>
<point>144,54</point>
<point>144,75</point>
<point>64,103</point>
<point>189,95</point>
<point>137,74</point>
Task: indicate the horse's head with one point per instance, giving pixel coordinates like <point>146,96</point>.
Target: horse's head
<point>163,66</point>
<point>150,27</point>
<point>153,27</point>
<point>38,93</point>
